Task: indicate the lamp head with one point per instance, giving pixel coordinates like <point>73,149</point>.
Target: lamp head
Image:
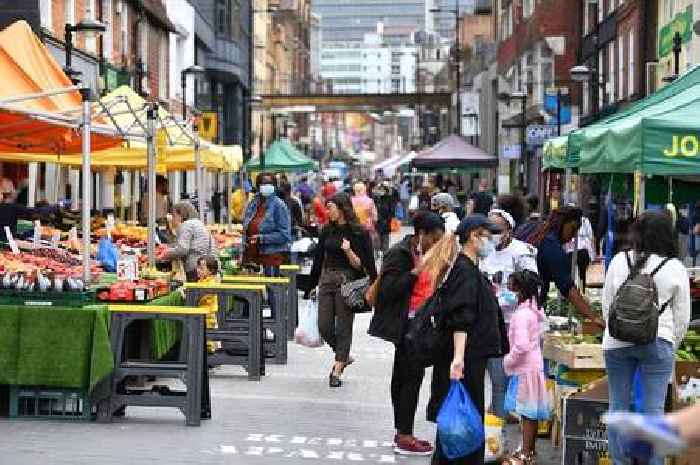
<point>90,27</point>
<point>581,73</point>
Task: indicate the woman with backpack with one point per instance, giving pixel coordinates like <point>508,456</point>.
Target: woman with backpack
<point>646,303</point>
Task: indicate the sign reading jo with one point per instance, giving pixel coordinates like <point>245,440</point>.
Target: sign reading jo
<point>688,146</point>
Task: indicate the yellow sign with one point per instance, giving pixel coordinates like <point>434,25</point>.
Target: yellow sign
<point>687,146</point>
<point>208,127</point>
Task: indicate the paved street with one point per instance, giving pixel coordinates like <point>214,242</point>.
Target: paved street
<point>290,417</point>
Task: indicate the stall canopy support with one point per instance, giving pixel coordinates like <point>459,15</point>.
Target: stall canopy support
<point>151,149</point>
<point>87,180</point>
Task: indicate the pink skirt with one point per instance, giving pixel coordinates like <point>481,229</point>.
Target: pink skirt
<point>527,396</point>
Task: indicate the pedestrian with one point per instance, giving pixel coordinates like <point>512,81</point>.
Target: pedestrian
<point>385,202</point>
<point>405,194</point>
<point>344,252</point>
<point>306,192</point>
<point>404,286</point>
<point>527,394</point>
<point>653,253</point>
<point>443,205</point>
<point>328,190</point>
<point>480,201</point>
<point>470,318</point>
<point>509,256</point>
<point>366,211</point>
<point>267,228</point>
<point>534,219</point>
<point>585,249</point>
<point>294,206</point>
<point>549,239</point>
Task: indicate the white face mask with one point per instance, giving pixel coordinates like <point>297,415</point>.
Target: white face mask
<point>267,190</point>
<point>496,239</point>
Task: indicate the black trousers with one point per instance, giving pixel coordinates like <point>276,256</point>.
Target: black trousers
<point>406,380</point>
<point>335,320</point>
<point>583,260</point>
<point>474,372</point>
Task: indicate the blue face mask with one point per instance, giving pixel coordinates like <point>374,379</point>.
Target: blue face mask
<point>486,248</point>
<point>507,298</point>
<point>267,190</point>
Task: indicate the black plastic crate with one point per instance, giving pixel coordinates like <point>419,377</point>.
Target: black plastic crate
<point>582,417</point>
<point>50,403</point>
<point>584,452</point>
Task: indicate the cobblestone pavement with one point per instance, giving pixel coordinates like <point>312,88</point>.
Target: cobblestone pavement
<point>290,417</point>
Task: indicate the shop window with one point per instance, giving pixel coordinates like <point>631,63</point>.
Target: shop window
<point>45,11</point>
<point>631,89</point>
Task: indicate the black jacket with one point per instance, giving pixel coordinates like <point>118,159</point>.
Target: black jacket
<point>329,242</point>
<point>395,286</point>
<point>386,208</point>
<point>469,305</point>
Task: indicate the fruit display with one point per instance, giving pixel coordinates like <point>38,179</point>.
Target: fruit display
<point>153,273</point>
<point>43,270</point>
<point>134,291</point>
<point>689,349</point>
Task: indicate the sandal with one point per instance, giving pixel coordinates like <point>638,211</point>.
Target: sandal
<point>520,458</point>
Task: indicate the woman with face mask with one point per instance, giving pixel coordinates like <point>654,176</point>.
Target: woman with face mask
<point>267,228</point>
<point>470,318</point>
<point>403,287</point>
<point>509,255</point>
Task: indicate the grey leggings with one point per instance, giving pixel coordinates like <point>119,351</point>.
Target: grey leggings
<point>335,320</point>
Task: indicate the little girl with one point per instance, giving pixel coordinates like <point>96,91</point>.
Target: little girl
<point>527,394</point>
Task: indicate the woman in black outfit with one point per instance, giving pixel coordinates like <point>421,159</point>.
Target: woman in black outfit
<point>344,253</point>
<point>471,319</point>
<point>403,287</point>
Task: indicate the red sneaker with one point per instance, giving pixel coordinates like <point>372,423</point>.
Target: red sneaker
<point>412,447</point>
<point>396,439</point>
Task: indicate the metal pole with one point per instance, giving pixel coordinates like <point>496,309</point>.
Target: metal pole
<point>558,111</point>
<point>85,93</point>
<point>262,142</point>
<point>151,149</point>
<point>69,46</point>
<point>523,144</point>
<point>677,42</point>
<point>198,172</point>
<point>459,74</point>
<point>183,83</point>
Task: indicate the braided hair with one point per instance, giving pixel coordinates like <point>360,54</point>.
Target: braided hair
<point>555,223</point>
<point>526,284</point>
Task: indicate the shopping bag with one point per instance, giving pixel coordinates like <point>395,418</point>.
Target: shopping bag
<point>395,225</point>
<point>460,426</point>
<point>107,255</point>
<point>493,427</point>
<point>307,333</point>
<point>400,213</point>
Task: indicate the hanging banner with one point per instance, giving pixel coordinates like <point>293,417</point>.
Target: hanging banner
<point>208,127</point>
<point>681,23</point>
<point>470,114</point>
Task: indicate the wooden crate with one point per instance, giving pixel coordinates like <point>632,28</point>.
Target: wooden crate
<point>574,356</point>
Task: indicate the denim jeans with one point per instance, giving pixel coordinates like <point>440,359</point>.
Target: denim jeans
<point>655,364</point>
<point>499,382</point>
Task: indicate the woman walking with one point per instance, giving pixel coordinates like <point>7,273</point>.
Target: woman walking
<point>470,318</point>
<point>653,253</point>
<point>344,253</point>
<point>403,287</point>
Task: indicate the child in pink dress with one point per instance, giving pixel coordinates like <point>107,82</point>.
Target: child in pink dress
<point>527,394</point>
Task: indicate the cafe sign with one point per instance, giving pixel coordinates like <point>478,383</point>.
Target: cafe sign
<point>681,23</point>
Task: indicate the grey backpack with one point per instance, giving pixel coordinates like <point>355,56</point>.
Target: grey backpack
<point>634,313</point>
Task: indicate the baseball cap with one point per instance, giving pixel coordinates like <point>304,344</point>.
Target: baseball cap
<point>473,222</point>
<point>428,221</point>
<point>442,199</point>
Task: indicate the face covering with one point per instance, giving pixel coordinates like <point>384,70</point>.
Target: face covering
<point>267,190</point>
<point>496,239</point>
<point>486,248</point>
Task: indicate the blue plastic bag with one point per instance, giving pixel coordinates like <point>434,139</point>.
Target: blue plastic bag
<point>460,426</point>
<point>400,213</point>
<point>107,254</point>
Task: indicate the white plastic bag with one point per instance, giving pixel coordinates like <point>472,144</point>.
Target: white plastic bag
<point>307,333</point>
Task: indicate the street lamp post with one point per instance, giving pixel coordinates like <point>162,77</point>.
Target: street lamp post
<point>89,27</point>
<point>458,77</point>
<point>194,70</point>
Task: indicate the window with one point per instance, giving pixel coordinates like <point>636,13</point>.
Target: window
<point>223,21</point>
<point>90,13</point>
<point>602,78</point>
<point>669,9</point>
<point>163,67</point>
<point>69,11</point>
<point>621,67</point>
<point>395,69</point>
<point>611,76</point>
<point>396,86</point>
<point>631,84</point>
<point>528,7</point>
<point>107,37</point>
<point>143,43</point>
<point>124,28</point>
<point>45,13</point>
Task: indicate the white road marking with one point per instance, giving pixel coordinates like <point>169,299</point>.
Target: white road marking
<point>228,450</point>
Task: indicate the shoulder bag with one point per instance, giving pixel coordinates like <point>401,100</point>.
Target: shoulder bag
<point>354,293</point>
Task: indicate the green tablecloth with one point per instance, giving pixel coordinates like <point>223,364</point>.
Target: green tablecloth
<point>54,346</point>
<point>165,333</point>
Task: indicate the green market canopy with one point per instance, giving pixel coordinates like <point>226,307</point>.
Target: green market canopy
<point>453,152</point>
<point>657,135</point>
<point>282,156</point>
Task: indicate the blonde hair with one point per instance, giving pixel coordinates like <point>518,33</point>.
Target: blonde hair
<point>186,210</point>
<point>440,257</point>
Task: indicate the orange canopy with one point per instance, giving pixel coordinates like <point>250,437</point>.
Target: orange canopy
<point>47,123</point>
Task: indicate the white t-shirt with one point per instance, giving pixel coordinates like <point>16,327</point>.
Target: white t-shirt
<point>674,287</point>
<point>517,256</point>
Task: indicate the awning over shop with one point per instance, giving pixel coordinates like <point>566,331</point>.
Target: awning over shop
<point>282,156</point>
<point>453,152</point>
<point>39,112</point>
<point>637,137</point>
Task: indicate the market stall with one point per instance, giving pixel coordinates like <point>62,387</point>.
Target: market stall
<point>281,156</point>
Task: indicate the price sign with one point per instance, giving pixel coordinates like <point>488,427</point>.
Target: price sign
<point>127,269</point>
<point>11,240</point>
<point>55,238</point>
<point>37,234</point>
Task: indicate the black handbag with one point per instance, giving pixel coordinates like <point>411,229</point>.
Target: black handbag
<point>425,339</point>
<point>353,294</point>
